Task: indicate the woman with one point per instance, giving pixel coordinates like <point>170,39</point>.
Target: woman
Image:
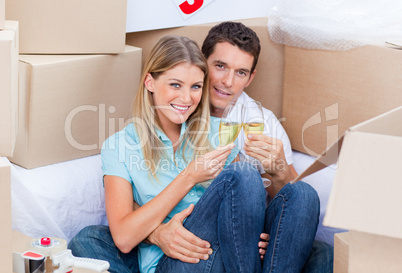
<point>160,161</point>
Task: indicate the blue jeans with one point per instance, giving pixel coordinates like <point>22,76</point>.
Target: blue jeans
<point>320,259</point>
<point>230,215</point>
<point>291,220</point>
<point>96,242</point>
<point>234,242</point>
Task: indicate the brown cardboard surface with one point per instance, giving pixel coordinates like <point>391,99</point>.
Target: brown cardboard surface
<point>20,241</point>
<point>8,87</point>
<point>341,252</point>
<point>2,14</point>
<point>365,193</point>
<point>326,92</point>
<point>359,252</point>
<point>69,104</point>
<point>5,216</point>
<point>371,253</point>
<point>74,26</point>
<point>267,84</point>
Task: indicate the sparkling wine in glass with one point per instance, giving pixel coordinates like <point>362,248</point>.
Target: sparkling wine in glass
<point>231,123</point>
<point>253,120</point>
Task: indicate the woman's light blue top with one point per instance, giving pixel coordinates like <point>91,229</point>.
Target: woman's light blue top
<point>122,156</point>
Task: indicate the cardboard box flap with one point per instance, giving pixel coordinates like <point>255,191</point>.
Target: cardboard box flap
<point>366,190</point>
<point>329,157</point>
<point>389,123</point>
<point>53,59</point>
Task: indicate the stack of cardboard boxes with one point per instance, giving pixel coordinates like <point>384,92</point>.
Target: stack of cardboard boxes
<point>67,80</point>
<point>8,126</point>
<point>76,77</point>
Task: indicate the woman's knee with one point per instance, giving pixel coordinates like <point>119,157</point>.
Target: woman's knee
<point>246,178</point>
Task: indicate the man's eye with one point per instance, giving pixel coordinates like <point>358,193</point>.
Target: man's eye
<point>242,73</point>
<point>220,66</point>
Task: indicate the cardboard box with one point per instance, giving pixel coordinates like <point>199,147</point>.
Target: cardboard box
<point>5,216</point>
<point>69,27</point>
<point>69,104</point>
<point>2,14</point>
<point>267,84</point>
<point>341,252</point>
<point>8,87</point>
<point>359,252</point>
<point>365,196</point>
<point>326,92</point>
<point>370,253</point>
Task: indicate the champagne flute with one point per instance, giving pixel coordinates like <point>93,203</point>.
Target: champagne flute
<point>229,128</point>
<point>231,123</point>
<point>253,121</point>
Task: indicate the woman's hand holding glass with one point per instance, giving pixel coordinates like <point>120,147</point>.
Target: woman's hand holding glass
<point>208,166</point>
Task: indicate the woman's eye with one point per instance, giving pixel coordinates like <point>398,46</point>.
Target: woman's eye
<point>175,85</point>
<point>197,86</point>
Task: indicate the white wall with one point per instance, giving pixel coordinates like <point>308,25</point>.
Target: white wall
<point>156,14</point>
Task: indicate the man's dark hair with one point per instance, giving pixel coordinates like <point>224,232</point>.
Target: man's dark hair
<point>236,34</point>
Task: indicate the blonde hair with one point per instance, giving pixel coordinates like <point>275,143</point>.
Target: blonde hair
<point>168,52</point>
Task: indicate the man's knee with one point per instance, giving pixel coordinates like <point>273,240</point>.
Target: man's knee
<point>303,197</point>
<point>309,192</point>
<point>304,193</point>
